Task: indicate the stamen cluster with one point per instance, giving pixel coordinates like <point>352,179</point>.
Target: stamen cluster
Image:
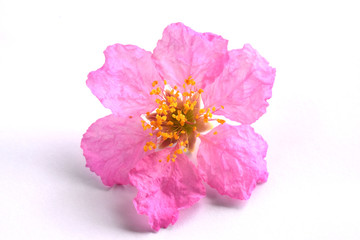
<point>178,120</point>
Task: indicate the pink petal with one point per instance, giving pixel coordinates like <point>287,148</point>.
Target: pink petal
<point>112,146</point>
<point>165,188</point>
<point>243,87</point>
<point>123,83</point>
<point>232,161</point>
<point>183,52</point>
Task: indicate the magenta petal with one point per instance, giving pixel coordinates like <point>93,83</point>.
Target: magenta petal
<point>165,187</point>
<point>112,146</point>
<point>232,161</point>
<point>243,87</point>
<point>182,52</point>
<point>123,83</point>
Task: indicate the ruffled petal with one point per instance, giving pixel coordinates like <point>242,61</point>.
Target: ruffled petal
<point>123,83</point>
<point>243,87</point>
<point>112,146</point>
<point>165,187</point>
<point>182,52</point>
<point>232,161</point>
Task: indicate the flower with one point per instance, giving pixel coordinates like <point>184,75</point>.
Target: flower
<point>163,104</point>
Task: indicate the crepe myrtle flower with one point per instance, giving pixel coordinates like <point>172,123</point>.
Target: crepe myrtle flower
<point>167,133</point>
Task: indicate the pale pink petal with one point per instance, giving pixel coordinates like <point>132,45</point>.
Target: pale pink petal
<point>112,146</point>
<point>232,161</point>
<point>165,187</point>
<point>123,83</point>
<point>183,52</point>
<point>243,87</point>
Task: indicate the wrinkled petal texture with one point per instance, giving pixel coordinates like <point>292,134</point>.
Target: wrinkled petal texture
<point>243,87</point>
<point>232,161</point>
<point>165,188</point>
<point>183,52</point>
<point>123,83</point>
<point>112,146</point>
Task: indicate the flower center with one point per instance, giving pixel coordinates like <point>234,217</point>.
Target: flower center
<point>179,119</point>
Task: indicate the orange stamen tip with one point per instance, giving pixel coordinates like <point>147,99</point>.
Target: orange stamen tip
<point>154,83</point>
<point>215,133</point>
<point>220,121</point>
<point>222,106</point>
<point>179,151</point>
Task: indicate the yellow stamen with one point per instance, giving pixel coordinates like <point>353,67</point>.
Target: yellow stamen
<point>176,114</point>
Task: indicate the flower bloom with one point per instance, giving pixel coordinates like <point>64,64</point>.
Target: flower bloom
<point>167,102</point>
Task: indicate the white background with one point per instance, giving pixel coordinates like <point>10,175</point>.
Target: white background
<point>312,126</point>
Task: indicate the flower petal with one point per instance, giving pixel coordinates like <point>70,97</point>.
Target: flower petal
<point>112,146</point>
<point>123,83</point>
<point>232,161</point>
<point>165,187</point>
<point>182,52</point>
<point>243,87</point>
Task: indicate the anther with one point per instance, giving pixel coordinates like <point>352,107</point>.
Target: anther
<point>220,121</point>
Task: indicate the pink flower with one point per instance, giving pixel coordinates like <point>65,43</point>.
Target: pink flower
<point>163,104</point>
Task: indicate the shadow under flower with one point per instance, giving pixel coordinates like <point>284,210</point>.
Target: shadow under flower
<point>69,164</point>
<point>217,199</point>
<point>118,200</point>
<point>124,211</point>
